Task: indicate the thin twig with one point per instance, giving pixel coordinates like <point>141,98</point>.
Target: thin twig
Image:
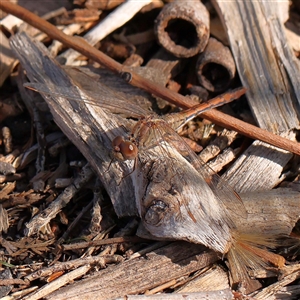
<point>7,282</point>
<point>100,261</point>
<point>84,48</point>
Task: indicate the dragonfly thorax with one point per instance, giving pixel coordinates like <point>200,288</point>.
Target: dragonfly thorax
<point>145,133</point>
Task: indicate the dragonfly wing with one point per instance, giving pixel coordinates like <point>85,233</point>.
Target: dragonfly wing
<point>107,99</point>
<point>97,79</point>
<point>229,197</point>
<point>223,191</point>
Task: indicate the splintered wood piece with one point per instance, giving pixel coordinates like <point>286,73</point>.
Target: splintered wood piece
<point>6,190</point>
<point>77,16</point>
<point>44,291</point>
<point>100,261</point>
<point>10,22</point>
<point>274,290</point>
<point>217,145</point>
<point>223,159</point>
<point>162,265</point>
<point>100,4</point>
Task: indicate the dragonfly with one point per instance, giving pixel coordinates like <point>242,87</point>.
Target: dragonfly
<point>141,134</point>
<point>213,218</point>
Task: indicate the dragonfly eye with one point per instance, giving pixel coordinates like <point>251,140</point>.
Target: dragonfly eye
<point>156,212</point>
<point>128,150</point>
<point>117,141</point>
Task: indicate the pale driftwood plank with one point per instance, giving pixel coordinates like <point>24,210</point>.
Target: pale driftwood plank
<point>114,20</point>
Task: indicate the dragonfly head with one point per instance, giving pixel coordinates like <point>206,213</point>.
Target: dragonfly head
<point>124,149</point>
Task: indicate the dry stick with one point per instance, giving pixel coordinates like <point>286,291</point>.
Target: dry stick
<point>116,240</point>
<point>84,48</point>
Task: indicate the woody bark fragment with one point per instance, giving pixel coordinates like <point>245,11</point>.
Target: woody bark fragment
<point>215,66</point>
<point>182,28</point>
